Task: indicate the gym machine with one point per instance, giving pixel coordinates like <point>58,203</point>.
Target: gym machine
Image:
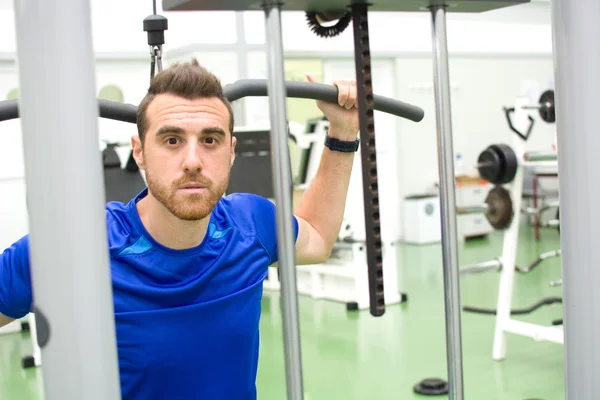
<point>35,113</point>
<point>357,12</point>
<point>89,371</point>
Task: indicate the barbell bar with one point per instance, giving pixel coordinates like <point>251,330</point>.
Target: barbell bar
<point>545,106</point>
<point>540,156</point>
<point>498,163</point>
<point>482,208</point>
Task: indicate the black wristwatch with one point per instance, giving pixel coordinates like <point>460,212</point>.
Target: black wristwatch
<point>341,145</point>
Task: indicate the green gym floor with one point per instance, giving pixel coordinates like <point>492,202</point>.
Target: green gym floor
<point>351,355</point>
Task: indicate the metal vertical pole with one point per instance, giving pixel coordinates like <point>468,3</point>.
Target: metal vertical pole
<point>68,242</point>
<point>282,182</point>
<point>241,50</point>
<point>448,203</point>
<point>576,27</point>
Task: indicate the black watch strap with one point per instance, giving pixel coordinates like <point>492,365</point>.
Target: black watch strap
<point>341,145</point>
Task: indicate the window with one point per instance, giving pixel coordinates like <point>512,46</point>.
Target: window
<point>111,93</point>
<point>13,94</point>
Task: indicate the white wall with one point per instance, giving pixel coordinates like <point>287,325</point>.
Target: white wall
<point>117,26</point>
<point>481,86</point>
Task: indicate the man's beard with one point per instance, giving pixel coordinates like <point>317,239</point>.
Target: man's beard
<point>187,207</point>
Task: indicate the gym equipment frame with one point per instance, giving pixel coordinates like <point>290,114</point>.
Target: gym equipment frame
<point>54,340</point>
<point>69,266</point>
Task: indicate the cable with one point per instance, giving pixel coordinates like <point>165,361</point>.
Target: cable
<point>155,25</point>
<point>518,311</point>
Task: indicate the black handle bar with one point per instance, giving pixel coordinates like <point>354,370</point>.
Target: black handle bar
<point>319,91</point>
<point>9,109</point>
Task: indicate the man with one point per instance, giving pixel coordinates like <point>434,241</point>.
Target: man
<point>187,263</point>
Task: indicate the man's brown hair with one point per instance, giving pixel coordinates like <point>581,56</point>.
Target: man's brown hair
<point>188,80</point>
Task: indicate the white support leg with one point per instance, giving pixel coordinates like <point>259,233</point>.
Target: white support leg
<point>509,252</point>
<point>37,353</point>
<point>35,358</point>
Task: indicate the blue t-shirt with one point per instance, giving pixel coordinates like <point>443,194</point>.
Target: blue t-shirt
<point>187,321</point>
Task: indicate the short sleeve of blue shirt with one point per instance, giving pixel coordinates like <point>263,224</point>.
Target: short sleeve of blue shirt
<point>265,222</point>
<point>15,280</point>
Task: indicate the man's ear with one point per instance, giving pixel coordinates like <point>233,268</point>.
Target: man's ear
<point>138,152</point>
<point>233,143</point>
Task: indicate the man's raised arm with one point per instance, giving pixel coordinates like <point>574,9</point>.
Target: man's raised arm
<point>321,210</point>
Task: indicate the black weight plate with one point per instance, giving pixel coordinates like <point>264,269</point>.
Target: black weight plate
<point>489,165</point>
<point>502,169</point>
<point>547,113</point>
<point>500,208</point>
<point>510,163</point>
<point>558,218</point>
<point>431,386</point>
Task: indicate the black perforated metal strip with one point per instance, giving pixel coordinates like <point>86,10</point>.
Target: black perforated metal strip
<point>362,58</point>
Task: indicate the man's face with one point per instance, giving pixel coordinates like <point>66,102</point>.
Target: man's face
<point>187,154</point>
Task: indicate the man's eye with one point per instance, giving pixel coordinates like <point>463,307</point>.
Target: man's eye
<point>210,140</point>
<point>172,140</point>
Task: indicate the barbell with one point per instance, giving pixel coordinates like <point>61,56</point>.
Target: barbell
<point>498,208</point>
<point>498,163</point>
<point>545,106</point>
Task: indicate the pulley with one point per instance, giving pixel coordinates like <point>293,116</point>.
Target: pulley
<point>317,19</point>
<point>155,25</point>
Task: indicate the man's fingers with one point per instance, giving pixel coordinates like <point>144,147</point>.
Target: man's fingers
<point>347,92</point>
<point>343,93</point>
<point>353,97</point>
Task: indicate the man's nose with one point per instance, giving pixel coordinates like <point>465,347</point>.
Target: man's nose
<point>193,160</point>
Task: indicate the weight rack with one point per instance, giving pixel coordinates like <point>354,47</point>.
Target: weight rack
<point>505,323</point>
